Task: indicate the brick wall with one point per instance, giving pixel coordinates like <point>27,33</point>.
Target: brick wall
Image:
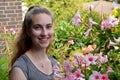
<point>10,16</point>
<point>11,13</point>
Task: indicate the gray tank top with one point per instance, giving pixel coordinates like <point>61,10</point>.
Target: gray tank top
<point>30,71</point>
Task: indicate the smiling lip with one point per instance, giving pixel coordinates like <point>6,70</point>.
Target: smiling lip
<point>43,40</point>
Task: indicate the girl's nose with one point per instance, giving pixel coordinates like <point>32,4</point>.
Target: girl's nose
<point>44,32</point>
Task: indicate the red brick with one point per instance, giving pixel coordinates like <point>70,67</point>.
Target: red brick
<point>1,12</point>
<point>10,26</point>
<point>12,23</point>
<point>18,3</point>
<point>19,7</point>
<point>4,19</point>
<point>19,26</point>
<point>3,4</point>
<point>11,7</point>
<point>2,0</point>
<point>11,3</point>
<point>2,8</point>
<point>3,23</point>
<point>12,15</point>
<point>10,0</point>
<point>19,14</point>
<point>18,11</point>
<point>19,18</point>
<point>9,11</point>
<point>2,16</point>
<point>12,19</point>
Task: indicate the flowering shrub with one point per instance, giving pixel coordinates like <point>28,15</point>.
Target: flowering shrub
<point>87,46</point>
<point>96,56</point>
<point>8,36</point>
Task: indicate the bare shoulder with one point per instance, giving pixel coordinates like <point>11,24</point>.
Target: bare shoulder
<point>17,74</point>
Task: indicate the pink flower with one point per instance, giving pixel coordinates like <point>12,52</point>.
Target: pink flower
<point>110,70</point>
<point>102,59</point>
<point>67,66</point>
<point>70,42</point>
<point>79,59</point>
<point>104,76</point>
<point>105,25</point>
<point>110,22</point>
<point>69,77</point>
<point>78,74</point>
<point>87,32</point>
<point>12,30</point>
<point>77,19</point>
<point>113,21</point>
<point>92,22</point>
<point>95,76</point>
<point>90,59</point>
<point>56,70</point>
<point>111,44</point>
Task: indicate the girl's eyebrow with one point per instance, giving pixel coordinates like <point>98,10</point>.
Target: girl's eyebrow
<point>37,24</point>
<point>42,25</point>
<point>49,24</point>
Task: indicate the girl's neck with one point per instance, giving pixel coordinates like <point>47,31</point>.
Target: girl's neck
<point>37,54</point>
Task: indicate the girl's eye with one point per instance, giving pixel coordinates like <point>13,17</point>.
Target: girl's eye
<point>37,27</point>
<point>49,26</point>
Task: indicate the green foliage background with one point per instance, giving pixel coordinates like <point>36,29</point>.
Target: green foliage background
<point>64,11</point>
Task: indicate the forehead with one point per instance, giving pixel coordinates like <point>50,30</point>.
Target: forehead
<point>42,18</point>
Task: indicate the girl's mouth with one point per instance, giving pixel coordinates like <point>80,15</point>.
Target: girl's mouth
<point>43,40</point>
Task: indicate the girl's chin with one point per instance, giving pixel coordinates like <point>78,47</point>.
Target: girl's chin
<point>39,44</point>
<point>44,45</point>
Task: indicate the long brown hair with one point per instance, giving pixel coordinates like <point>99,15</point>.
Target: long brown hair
<point>23,41</point>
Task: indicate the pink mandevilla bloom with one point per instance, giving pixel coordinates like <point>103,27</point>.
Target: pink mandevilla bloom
<point>70,42</point>
<point>79,60</point>
<point>87,32</point>
<point>69,77</point>
<point>113,21</point>
<point>111,44</point>
<point>56,70</point>
<point>110,22</point>
<point>12,30</point>
<point>90,59</point>
<point>105,25</point>
<point>95,76</point>
<point>104,76</point>
<point>92,22</point>
<point>78,74</point>
<point>110,70</point>
<point>67,66</point>
<point>77,19</point>
<point>102,59</point>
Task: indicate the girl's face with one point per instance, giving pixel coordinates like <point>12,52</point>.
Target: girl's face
<point>42,30</point>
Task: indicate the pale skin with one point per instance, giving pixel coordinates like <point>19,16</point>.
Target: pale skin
<point>42,32</point>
